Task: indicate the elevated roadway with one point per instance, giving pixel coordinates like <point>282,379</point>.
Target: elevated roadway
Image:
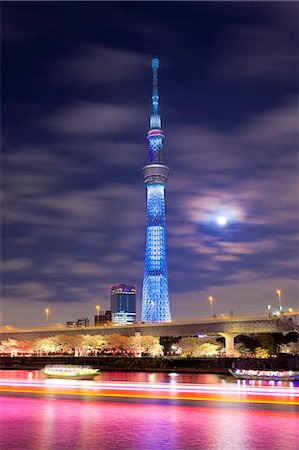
<point>228,327</point>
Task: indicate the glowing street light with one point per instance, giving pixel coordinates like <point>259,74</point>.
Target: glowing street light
<point>98,309</point>
<point>211,306</point>
<point>278,292</point>
<point>47,311</point>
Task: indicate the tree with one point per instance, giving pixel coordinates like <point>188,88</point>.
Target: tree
<point>169,343</point>
<point>151,345</point>
<point>292,348</point>
<point>207,349</point>
<point>47,345</point>
<point>249,341</point>
<point>100,343</point>
<point>117,343</point>
<point>9,346</point>
<point>156,350</point>
<point>65,343</point>
<point>187,346</point>
<point>88,344</point>
<point>82,344</point>
<point>135,345</point>
<point>261,352</point>
<point>139,345</point>
<point>241,349</point>
<point>25,347</point>
<point>198,347</point>
<point>266,341</point>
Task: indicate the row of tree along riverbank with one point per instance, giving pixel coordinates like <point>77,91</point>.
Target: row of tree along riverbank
<point>163,364</point>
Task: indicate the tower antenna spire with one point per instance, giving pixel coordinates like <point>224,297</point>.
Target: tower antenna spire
<point>155,135</point>
<point>155,96</point>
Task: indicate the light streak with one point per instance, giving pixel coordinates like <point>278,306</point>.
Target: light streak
<point>180,391</point>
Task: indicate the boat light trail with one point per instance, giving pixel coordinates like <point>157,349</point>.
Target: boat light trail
<point>239,392</point>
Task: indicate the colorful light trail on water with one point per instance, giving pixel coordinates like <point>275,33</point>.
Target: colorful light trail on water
<point>239,392</point>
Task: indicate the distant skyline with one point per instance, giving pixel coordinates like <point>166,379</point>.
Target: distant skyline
<point>76,100</point>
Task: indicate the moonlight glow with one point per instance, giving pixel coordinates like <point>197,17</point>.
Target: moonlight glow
<point>222,221</point>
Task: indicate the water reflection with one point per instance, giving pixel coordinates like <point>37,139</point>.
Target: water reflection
<point>41,424</point>
<point>50,423</point>
<point>152,377</point>
<point>151,386</point>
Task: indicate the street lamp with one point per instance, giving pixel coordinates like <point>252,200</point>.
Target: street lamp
<point>47,314</point>
<point>98,309</point>
<point>211,305</point>
<point>278,292</point>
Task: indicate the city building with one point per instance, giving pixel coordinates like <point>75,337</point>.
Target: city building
<point>103,319</point>
<point>123,304</point>
<point>155,298</point>
<point>79,323</point>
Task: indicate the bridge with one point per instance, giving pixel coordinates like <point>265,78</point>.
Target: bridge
<point>227,327</point>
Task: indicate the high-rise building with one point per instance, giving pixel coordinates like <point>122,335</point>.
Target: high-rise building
<point>123,304</point>
<point>155,298</point>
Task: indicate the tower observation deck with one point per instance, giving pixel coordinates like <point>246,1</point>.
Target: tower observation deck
<point>155,298</point>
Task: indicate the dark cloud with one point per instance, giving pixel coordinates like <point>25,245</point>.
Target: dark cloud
<point>91,119</point>
<point>259,52</point>
<point>96,65</point>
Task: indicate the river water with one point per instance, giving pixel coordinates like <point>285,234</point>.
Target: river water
<point>146,411</point>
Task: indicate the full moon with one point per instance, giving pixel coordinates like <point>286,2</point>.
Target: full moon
<point>222,221</point>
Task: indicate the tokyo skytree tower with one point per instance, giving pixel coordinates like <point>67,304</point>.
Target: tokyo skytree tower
<point>155,299</point>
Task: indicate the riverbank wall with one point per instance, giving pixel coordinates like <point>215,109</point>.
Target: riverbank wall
<point>166,364</point>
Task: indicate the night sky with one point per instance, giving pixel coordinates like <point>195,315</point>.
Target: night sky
<point>76,100</point>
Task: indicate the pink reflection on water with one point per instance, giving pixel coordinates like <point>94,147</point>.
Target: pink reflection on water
<point>44,424</point>
<point>172,388</point>
<point>121,376</point>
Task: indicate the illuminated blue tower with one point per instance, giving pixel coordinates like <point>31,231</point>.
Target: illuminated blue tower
<point>155,300</point>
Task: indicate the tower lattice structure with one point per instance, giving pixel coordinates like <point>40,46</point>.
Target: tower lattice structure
<point>155,297</point>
